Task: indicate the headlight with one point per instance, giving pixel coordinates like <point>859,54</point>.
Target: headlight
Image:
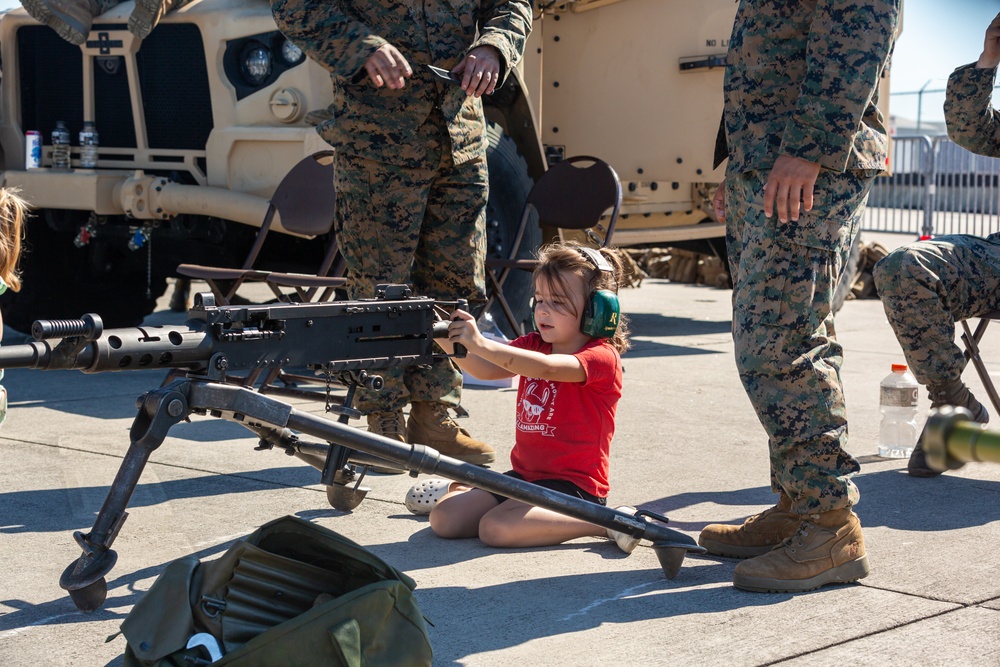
<point>291,53</point>
<point>256,64</point>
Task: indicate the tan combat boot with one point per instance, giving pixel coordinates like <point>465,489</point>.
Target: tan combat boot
<point>71,19</point>
<point>147,13</point>
<point>758,534</point>
<point>431,425</point>
<point>955,394</point>
<point>390,425</point>
<point>828,548</point>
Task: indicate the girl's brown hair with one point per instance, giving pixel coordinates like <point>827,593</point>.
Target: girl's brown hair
<point>13,212</point>
<point>559,259</point>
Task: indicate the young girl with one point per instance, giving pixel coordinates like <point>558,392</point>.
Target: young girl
<point>13,211</point>
<point>566,401</point>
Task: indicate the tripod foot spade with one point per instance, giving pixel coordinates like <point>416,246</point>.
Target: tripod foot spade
<point>345,498</point>
<point>671,557</point>
<point>90,598</point>
<point>85,582</point>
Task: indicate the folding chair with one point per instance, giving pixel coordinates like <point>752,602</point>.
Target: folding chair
<point>971,340</point>
<point>572,195</point>
<point>305,200</point>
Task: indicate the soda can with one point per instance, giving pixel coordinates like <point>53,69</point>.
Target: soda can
<point>32,149</point>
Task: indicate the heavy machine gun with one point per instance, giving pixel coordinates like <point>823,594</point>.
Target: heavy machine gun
<point>346,340</point>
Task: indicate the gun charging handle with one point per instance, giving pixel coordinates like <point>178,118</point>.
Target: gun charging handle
<point>89,327</point>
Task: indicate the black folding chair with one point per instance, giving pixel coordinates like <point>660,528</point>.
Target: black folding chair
<point>305,201</point>
<point>574,194</point>
<point>971,341</point>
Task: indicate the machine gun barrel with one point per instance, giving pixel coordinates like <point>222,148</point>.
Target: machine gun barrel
<point>952,439</point>
<point>138,348</point>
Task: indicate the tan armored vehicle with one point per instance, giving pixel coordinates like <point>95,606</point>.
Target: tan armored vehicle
<point>198,122</point>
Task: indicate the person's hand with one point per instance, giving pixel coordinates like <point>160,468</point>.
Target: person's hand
<point>463,331</point>
<point>991,46</point>
<point>790,182</point>
<point>480,71</point>
<point>388,67</point>
<point>719,202</point>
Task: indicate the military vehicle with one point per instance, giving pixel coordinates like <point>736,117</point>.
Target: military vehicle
<point>199,122</point>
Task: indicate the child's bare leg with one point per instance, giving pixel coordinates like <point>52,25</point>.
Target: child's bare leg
<point>517,524</point>
<point>457,514</point>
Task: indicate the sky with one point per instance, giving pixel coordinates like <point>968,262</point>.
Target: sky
<point>938,36</point>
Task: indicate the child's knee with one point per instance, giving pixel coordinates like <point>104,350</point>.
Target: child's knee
<point>444,523</point>
<point>495,532</point>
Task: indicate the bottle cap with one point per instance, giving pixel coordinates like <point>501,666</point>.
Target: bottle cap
<point>899,368</point>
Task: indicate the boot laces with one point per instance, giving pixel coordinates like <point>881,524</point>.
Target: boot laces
<point>761,515</point>
<point>444,417</point>
<point>389,424</point>
<point>798,539</point>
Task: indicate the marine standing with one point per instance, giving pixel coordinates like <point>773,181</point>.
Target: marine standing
<point>805,140</point>
<point>410,168</point>
<point>927,286</point>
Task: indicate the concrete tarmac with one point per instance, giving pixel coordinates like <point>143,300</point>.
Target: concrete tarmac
<point>688,445</point>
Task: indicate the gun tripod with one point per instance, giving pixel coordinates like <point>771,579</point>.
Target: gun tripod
<point>343,451</point>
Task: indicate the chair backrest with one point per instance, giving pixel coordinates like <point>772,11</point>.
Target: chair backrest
<point>305,198</point>
<point>575,193</point>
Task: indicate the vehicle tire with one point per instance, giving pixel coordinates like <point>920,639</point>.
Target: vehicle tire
<point>509,187</point>
<point>849,275</point>
<point>62,281</point>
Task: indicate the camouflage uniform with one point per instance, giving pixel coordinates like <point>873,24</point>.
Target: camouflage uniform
<point>801,80</point>
<point>928,286</point>
<point>411,173</point>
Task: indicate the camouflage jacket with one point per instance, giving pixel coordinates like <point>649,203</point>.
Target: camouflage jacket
<point>385,124</point>
<point>802,80</point>
<point>972,122</point>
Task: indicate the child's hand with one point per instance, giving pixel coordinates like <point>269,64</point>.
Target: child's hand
<point>464,331</point>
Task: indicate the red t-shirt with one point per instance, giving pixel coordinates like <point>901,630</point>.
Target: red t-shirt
<point>564,429</point>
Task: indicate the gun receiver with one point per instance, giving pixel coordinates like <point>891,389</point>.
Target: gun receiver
<point>393,329</point>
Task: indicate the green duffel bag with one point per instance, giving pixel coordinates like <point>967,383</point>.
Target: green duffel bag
<point>291,593</point>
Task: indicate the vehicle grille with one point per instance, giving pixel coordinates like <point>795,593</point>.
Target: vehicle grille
<point>51,81</point>
<point>172,75</point>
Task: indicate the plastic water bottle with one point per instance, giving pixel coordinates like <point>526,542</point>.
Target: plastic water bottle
<point>88,146</point>
<point>897,434</point>
<point>60,146</point>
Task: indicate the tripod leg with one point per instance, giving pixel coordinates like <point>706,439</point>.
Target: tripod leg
<point>84,578</point>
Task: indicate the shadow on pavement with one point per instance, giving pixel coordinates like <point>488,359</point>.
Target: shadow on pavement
<point>936,504</point>
<point>31,511</point>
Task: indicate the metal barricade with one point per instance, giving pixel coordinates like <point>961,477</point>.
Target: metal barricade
<point>966,199</point>
<point>936,188</point>
<point>902,202</point>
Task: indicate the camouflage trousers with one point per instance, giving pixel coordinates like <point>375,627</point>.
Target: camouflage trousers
<point>784,276</point>
<point>422,227</point>
<point>928,286</point>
